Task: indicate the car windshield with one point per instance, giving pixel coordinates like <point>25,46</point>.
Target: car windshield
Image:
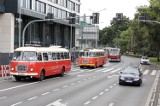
<point>144,57</point>
<point>24,56</point>
<point>131,71</point>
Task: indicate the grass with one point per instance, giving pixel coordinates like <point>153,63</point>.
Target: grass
<point>154,59</point>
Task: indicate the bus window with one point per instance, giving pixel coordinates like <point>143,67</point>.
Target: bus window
<point>29,56</point>
<point>54,56</point>
<point>66,55</point>
<point>39,57</point>
<point>45,56</point>
<point>58,56</point>
<point>50,56</point>
<point>62,55</point>
<point>17,55</point>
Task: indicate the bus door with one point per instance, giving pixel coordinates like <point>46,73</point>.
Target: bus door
<point>47,64</point>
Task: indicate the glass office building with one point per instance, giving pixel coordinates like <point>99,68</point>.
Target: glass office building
<point>16,14</point>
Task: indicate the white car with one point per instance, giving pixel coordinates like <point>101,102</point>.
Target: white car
<point>144,60</point>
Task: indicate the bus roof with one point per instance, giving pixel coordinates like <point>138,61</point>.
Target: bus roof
<point>42,49</point>
<point>92,50</point>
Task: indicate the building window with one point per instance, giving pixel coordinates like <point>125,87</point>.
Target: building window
<point>33,4</point>
<point>26,4</point>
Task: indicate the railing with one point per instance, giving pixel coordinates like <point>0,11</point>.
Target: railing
<point>4,71</point>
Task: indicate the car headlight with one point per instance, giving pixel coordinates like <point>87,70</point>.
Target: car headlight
<point>122,78</point>
<point>136,78</point>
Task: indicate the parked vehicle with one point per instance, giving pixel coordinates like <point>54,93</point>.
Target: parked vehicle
<point>39,62</point>
<point>131,75</point>
<point>144,60</point>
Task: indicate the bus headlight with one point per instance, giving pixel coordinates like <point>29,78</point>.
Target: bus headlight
<point>12,68</point>
<point>31,69</point>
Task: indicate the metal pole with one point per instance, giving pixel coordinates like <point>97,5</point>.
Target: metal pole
<point>71,39</point>
<point>19,21</point>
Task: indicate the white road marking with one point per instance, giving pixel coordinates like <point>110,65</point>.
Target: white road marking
<point>79,75</point>
<point>72,84</point>
<point>17,86</point>
<point>32,98</point>
<point>45,93</point>
<point>57,103</point>
<point>65,86</point>
<point>87,102</point>
<point>111,104</point>
<point>108,70</point>
<point>56,89</point>
<point>95,97</point>
<point>17,103</point>
<point>153,72</point>
<point>3,97</point>
<point>115,70</point>
<point>106,89</point>
<point>111,87</point>
<point>101,93</point>
<point>145,72</point>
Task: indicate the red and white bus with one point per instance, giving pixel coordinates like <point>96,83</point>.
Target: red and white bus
<point>39,62</point>
<point>114,54</point>
<point>91,58</point>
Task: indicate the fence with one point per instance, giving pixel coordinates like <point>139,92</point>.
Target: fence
<point>4,71</point>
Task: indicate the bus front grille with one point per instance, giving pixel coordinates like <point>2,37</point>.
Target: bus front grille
<point>22,68</point>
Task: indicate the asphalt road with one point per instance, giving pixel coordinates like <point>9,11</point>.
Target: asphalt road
<point>84,87</point>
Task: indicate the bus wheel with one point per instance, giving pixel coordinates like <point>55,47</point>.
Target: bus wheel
<point>81,67</point>
<point>41,76</point>
<point>17,78</point>
<point>63,70</point>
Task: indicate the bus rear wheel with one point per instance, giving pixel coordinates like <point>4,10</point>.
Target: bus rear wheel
<point>62,73</point>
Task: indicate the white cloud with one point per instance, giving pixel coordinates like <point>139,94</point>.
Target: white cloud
<point>127,7</point>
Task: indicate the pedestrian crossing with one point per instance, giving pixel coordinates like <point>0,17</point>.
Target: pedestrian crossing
<point>111,70</point>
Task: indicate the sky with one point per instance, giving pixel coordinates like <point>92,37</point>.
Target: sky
<point>109,8</point>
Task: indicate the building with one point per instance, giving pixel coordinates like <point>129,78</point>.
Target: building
<point>87,37</point>
<point>16,14</point>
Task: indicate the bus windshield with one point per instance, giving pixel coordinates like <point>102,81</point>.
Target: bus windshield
<point>114,52</point>
<point>24,56</point>
<point>87,54</point>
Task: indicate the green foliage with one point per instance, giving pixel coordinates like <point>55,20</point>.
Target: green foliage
<point>134,36</point>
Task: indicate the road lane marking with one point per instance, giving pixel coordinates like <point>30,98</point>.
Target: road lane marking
<point>73,84</point>
<point>57,103</point>
<point>2,90</point>
<point>111,104</point>
<point>111,87</point>
<point>87,102</point>
<point>101,93</point>
<point>95,97</point>
<point>32,98</point>
<point>145,72</point>
<point>17,103</point>
<point>153,72</point>
<point>65,86</point>
<point>45,93</point>
<point>3,97</point>
<point>108,70</point>
<point>56,89</point>
<point>115,70</point>
<point>106,89</point>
